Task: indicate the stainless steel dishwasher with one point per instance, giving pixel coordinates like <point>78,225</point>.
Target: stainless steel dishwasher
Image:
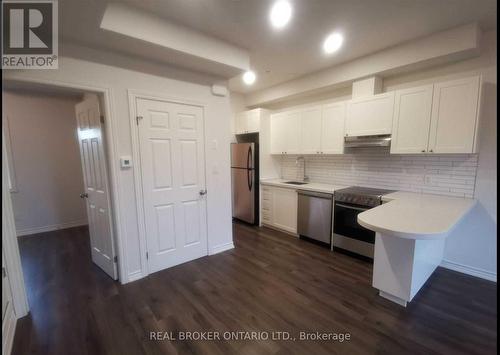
<point>314,215</point>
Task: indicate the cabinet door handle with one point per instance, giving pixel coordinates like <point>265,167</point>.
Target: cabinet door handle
<point>423,150</point>
<point>431,151</point>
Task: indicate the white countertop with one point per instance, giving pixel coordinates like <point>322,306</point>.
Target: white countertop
<point>407,215</point>
<point>310,186</point>
<point>416,216</point>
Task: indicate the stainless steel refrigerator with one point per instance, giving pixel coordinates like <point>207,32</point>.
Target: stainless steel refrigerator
<point>244,179</point>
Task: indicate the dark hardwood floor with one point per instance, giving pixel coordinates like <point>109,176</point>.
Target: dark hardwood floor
<point>269,282</point>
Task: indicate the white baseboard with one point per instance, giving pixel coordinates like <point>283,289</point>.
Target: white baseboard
<point>469,270</point>
<point>50,228</point>
<point>8,330</point>
<point>220,248</point>
<point>134,276</point>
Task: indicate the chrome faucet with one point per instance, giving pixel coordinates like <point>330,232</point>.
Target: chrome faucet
<point>305,177</point>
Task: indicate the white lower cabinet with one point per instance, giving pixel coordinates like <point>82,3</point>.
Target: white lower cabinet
<point>279,208</point>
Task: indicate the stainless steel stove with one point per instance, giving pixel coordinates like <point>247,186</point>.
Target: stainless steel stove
<point>364,196</point>
<point>348,234</point>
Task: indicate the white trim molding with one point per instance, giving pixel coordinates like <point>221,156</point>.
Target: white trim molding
<point>111,131</point>
<point>221,248</point>
<point>11,248</point>
<point>51,227</point>
<point>135,275</point>
<point>11,172</point>
<point>469,270</point>
<point>8,330</point>
<point>133,95</point>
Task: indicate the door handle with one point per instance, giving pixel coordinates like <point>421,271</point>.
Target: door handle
<point>203,192</point>
<point>84,195</point>
<point>4,273</point>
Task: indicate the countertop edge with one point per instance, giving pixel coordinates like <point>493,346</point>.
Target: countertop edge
<point>417,236</point>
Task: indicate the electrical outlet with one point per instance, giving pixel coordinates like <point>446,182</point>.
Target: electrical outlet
<point>427,180</point>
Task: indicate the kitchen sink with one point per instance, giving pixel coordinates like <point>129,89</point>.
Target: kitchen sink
<point>295,183</point>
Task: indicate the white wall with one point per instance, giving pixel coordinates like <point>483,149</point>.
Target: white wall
<point>46,161</point>
<point>120,74</point>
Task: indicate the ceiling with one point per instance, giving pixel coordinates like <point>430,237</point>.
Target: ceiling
<point>278,56</point>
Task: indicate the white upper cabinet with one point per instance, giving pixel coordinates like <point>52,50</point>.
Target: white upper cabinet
<point>248,121</point>
<point>310,131</point>
<point>439,118</point>
<point>332,128</point>
<point>241,123</point>
<point>278,133</point>
<point>370,115</point>
<point>455,116</point>
<point>412,119</point>
<point>253,120</point>
<point>292,132</point>
<point>285,133</point>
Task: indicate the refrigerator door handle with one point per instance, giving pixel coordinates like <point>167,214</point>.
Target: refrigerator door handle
<point>249,179</point>
<point>249,158</point>
<point>249,167</point>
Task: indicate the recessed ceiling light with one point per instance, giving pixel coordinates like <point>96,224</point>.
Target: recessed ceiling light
<point>281,12</point>
<point>249,77</point>
<point>333,42</point>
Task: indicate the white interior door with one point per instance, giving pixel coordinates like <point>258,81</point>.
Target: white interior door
<point>93,157</point>
<point>171,141</point>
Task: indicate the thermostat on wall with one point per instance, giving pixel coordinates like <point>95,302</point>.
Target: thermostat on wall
<point>125,162</point>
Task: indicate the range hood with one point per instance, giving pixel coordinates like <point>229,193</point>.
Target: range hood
<point>381,140</point>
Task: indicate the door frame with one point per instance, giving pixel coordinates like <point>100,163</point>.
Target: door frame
<point>113,167</point>
<point>133,95</point>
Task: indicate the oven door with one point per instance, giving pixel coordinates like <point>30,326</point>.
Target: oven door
<point>346,222</point>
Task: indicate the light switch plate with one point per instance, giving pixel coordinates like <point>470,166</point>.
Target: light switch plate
<point>126,162</point>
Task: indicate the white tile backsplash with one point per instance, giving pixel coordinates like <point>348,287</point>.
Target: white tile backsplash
<point>445,174</point>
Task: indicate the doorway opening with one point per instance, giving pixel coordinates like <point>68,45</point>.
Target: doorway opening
<point>58,174</point>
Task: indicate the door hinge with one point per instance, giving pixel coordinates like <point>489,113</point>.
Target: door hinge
<point>137,119</point>
<point>115,259</point>
<point>102,118</point>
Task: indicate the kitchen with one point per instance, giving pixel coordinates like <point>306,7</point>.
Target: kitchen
<point>431,128</point>
<point>250,177</point>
